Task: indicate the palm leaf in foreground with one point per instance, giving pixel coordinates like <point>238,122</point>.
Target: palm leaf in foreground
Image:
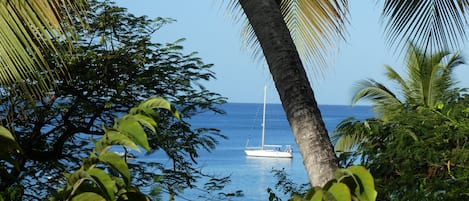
<point>316,27</point>
<point>27,29</point>
<point>431,25</point>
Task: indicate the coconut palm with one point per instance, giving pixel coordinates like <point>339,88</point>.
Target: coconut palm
<point>293,87</point>
<point>431,24</point>
<point>429,83</point>
<point>28,27</point>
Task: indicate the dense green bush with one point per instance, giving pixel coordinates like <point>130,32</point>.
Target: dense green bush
<point>116,64</point>
<point>417,146</point>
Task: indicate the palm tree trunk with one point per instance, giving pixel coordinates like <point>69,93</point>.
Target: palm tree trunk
<point>294,89</point>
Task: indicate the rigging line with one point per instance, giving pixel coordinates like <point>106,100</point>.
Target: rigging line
<point>256,117</point>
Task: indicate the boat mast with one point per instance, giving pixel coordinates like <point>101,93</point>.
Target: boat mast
<point>263,117</point>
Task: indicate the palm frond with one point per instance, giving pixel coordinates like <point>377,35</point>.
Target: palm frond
<point>445,82</point>
<point>392,75</point>
<point>248,37</point>
<point>26,29</point>
<point>316,27</point>
<point>430,75</point>
<point>433,25</point>
<point>349,133</point>
<point>375,92</point>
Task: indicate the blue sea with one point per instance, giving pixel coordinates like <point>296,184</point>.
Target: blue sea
<point>253,176</point>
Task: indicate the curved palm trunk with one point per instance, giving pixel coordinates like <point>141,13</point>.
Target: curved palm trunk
<point>294,89</point>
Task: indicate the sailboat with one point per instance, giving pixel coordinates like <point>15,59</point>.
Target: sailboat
<point>265,150</point>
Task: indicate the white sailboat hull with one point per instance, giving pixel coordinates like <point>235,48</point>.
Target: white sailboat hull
<point>268,153</point>
<point>273,151</point>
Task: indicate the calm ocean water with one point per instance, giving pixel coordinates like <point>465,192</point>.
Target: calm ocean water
<point>242,122</point>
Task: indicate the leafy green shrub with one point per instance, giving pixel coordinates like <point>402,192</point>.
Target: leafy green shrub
<point>353,183</point>
<point>105,175</point>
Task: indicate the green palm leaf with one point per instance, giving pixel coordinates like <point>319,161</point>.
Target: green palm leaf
<point>429,75</point>
<point>433,25</point>
<point>429,82</point>
<point>316,27</point>
<point>374,91</point>
<point>27,28</point>
<point>349,133</point>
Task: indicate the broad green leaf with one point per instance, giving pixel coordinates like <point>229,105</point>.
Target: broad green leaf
<point>7,140</point>
<point>368,192</point>
<point>340,192</point>
<point>5,133</point>
<point>318,195</point>
<point>352,183</point>
<point>346,176</point>
<point>309,195</point>
<point>134,130</point>
<point>104,181</point>
<point>88,196</point>
<point>118,163</point>
<point>146,121</point>
<point>159,103</point>
<point>102,144</point>
<point>156,103</point>
<point>121,139</point>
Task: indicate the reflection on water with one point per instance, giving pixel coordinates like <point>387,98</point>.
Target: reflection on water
<point>262,164</point>
<point>261,176</point>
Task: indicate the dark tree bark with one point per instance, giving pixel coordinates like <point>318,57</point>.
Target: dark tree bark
<point>294,89</point>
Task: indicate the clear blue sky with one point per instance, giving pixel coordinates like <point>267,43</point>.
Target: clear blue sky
<point>210,31</point>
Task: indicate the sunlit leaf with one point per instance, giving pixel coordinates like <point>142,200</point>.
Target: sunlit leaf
<point>117,163</point>
<point>104,181</point>
<point>367,192</point>
<point>340,192</point>
<point>318,195</point>
<point>134,129</point>
<point>146,121</point>
<point>7,141</point>
<point>113,137</point>
<point>158,103</point>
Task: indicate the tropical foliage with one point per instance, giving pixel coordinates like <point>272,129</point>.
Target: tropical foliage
<point>434,25</point>
<point>116,65</point>
<point>352,183</point>
<point>416,146</point>
<point>431,25</point>
<point>104,174</point>
<point>28,27</point>
<point>429,84</point>
<point>314,26</point>
<point>419,155</point>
